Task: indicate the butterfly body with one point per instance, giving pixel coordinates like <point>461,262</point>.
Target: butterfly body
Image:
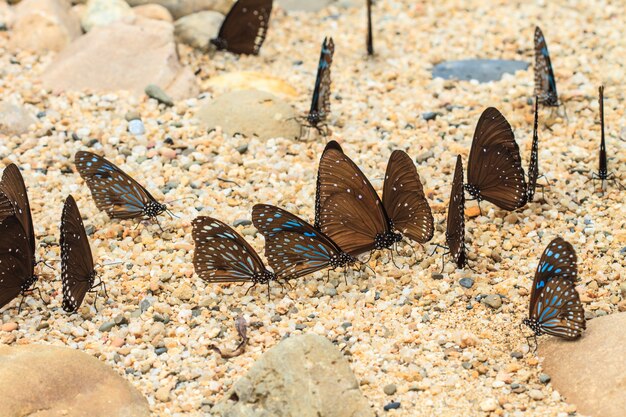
<point>245,27</point>
<point>320,103</point>
<point>494,170</point>
<point>293,247</point>
<point>114,191</point>
<point>555,306</point>
<point>545,83</point>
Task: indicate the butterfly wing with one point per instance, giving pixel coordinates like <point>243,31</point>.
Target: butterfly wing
<point>293,247</point>
<point>558,310</point>
<point>404,199</point>
<point>77,268</point>
<point>245,27</point>
<point>545,83</point>
<point>16,259</point>
<point>557,261</point>
<point>320,103</point>
<point>222,255</point>
<point>455,228</point>
<point>533,166</point>
<point>112,189</point>
<point>602,168</point>
<point>350,212</point>
<point>14,201</point>
<point>370,38</point>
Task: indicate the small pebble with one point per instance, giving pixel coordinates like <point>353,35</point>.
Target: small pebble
<point>492,300</point>
<point>544,378</point>
<point>120,320</point>
<point>466,282</point>
<point>242,222</point>
<point>517,355</point>
<point>9,327</point>
<point>392,406</point>
<point>535,394</point>
<point>490,404</point>
<point>117,342</point>
<point>132,115</point>
<point>105,327</point>
<point>136,127</point>
<point>390,389</point>
<point>436,275</point>
<point>155,92</point>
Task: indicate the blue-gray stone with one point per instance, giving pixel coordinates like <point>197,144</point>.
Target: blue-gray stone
<point>430,115</point>
<point>242,222</point>
<point>544,378</point>
<point>482,70</point>
<point>155,92</point>
<point>105,327</point>
<point>466,282</point>
<point>136,127</point>
<point>392,406</point>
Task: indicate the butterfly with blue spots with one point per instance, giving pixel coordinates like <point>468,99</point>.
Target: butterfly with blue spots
<point>545,83</point>
<point>293,247</point>
<point>114,191</point>
<point>555,306</point>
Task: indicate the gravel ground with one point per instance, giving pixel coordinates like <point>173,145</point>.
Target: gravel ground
<point>447,353</point>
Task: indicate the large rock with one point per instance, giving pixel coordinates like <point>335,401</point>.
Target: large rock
<point>251,113</point>
<point>591,372</point>
<point>153,11</point>
<point>105,12</point>
<point>43,25</point>
<point>180,8</point>
<point>482,70</point>
<point>198,29</point>
<point>14,120</point>
<point>122,56</point>
<point>249,80</point>
<point>48,381</point>
<point>304,376</point>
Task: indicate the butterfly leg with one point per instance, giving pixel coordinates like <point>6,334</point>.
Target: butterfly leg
<point>19,308</point>
<point>394,261</point>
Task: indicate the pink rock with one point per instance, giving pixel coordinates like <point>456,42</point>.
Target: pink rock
<point>117,342</point>
<point>44,25</point>
<point>9,327</point>
<point>167,153</point>
<point>122,56</point>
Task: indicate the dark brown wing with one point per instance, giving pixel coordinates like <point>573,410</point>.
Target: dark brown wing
<point>77,269</point>
<point>404,199</point>
<point>16,260</point>
<point>533,166</point>
<point>545,83</point>
<point>320,102</point>
<point>245,27</point>
<point>14,201</point>
<point>350,212</point>
<point>455,228</point>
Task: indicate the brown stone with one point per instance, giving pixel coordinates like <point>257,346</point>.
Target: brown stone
<point>52,381</point>
<point>591,371</point>
<point>122,56</point>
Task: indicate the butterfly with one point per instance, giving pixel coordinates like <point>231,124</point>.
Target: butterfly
<point>533,167</point>
<point>603,174</point>
<point>293,247</point>
<point>245,27</point>
<point>455,228</point>
<point>545,83</point>
<point>17,237</point>
<point>555,306</point>
<point>222,255</point>
<point>78,274</point>
<point>114,191</point>
<point>494,170</point>
<point>349,211</point>
<point>320,104</point>
<point>370,38</point>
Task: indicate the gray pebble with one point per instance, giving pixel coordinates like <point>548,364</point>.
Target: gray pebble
<point>105,327</point>
<point>136,127</point>
<point>466,365</point>
<point>145,304</point>
<point>544,378</point>
<point>276,318</point>
<point>155,92</point>
<point>301,326</point>
<point>390,389</point>
<point>466,282</point>
<point>120,320</point>
<point>517,355</point>
<point>346,324</point>
<point>160,350</point>
<point>331,291</point>
<point>430,115</point>
<point>242,222</point>
<point>132,115</point>
<point>90,229</point>
<point>392,406</point>
<point>436,275</point>
<point>242,148</point>
<point>492,300</point>
<point>518,388</point>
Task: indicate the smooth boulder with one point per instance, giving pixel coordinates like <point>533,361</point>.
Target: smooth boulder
<point>591,372</point>
<point>251,113</point>
<point>304,376</point>
<point>482,70</point>
<point>56,381</point>
<point>43,25</point>
<point>197,29</point>
<point>105,12</point>
<point>14,120</point>
<point>180,8</point>
<point>122,56</point>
